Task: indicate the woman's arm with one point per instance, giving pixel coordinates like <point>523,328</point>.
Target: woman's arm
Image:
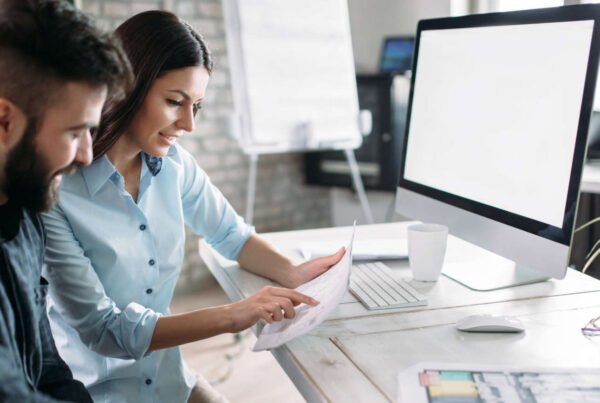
<point>269,304</point>
<point>258,257</point>
<point>81,299</point>
<point>209,214</point>
<point>137,330</point>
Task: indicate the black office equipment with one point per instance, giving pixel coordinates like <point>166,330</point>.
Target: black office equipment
<point>396,54</point>
<point>380,151</point>
<point>593,150</point>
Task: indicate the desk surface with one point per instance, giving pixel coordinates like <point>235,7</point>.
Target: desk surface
<point>356,354</point>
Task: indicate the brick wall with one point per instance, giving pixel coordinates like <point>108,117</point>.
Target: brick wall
<point>283,202</point>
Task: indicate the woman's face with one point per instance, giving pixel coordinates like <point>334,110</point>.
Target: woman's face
<point>168,110</point>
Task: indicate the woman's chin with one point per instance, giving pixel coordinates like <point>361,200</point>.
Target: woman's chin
<point>157,151</point>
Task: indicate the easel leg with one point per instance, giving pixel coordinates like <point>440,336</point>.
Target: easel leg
<point>251,189</point>
<point>358,185</point>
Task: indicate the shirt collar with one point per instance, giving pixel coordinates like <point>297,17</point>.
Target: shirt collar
<point>102,169</point>
<point>97,174</point>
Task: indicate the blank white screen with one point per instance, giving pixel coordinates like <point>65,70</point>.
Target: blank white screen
<point>495,113</point>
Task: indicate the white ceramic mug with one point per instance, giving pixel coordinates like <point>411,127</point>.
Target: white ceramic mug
<point>426,250</point>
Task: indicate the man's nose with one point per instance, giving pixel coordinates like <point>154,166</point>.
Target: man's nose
<point>84,154</point>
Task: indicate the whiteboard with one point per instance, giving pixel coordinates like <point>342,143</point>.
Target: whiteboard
<point>292,73</point>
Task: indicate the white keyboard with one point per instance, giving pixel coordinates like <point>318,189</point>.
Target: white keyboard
<point>376,286</point>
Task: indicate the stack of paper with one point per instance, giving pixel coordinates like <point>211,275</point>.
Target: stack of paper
<point>365,249</point>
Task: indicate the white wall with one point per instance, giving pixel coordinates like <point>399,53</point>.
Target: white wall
<point>373,20</point>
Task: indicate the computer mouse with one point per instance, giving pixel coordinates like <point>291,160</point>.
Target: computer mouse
<point>490,324</point>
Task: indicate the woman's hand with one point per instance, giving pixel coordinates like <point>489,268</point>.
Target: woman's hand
<point>270,304</point>
<point>306,271</point>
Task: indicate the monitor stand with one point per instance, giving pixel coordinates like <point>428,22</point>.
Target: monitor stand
<point>490,274</point>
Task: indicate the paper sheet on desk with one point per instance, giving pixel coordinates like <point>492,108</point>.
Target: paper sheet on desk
<point>329,289</point>
<point>364,249</point>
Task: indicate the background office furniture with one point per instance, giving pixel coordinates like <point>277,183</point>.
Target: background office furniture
<point>385,95</point>
<point>589,208</point>
<point>355,355</point>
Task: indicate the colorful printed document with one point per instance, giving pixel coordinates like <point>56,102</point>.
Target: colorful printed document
<point>450,383</point>
<point>329,289</point>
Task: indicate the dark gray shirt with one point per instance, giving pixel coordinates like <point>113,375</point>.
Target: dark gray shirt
<point>30,367</point>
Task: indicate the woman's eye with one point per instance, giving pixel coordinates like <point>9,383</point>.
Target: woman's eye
<point>174,102</point>
<point>196,108</point>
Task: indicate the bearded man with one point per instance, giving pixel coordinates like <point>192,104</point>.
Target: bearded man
<point>56,69</point>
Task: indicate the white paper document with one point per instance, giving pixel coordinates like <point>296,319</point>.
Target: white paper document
<point>329,289</point>
<point>364,249</point>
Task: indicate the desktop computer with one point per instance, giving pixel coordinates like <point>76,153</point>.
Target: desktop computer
<point>496,134</point>
<point>396,54</point>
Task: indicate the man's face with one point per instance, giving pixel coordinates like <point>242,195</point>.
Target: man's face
<point>55,145</point>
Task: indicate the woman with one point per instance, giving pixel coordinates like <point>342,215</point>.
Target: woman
<point>116,238</point>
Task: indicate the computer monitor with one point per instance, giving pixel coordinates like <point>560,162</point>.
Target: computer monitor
<point>496,134</point>
<point>396,54</point>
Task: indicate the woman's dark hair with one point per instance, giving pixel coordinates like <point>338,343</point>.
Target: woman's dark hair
<point>155,42</point>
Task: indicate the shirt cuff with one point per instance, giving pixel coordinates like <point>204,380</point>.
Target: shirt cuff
<point>137,327</point>
<point>232,245</point>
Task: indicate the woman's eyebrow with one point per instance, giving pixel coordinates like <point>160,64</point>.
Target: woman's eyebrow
<point>185,95</point>
<point>182,93</point>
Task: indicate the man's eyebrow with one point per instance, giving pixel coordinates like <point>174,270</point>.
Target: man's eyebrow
<point>82,126</point>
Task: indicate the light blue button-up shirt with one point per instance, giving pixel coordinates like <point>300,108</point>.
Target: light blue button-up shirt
<point>113,264</point>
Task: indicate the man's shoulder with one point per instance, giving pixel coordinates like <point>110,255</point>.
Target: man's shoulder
<point>34,222</point>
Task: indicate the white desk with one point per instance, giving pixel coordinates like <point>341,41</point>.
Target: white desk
<point>355,355</point>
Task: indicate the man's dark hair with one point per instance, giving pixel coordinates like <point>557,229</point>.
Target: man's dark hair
<point>46,43</point>
<point>155,42</point>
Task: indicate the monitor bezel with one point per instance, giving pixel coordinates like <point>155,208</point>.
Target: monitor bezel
<point>562,235</point>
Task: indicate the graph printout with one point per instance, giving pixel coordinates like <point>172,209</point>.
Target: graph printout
<point>450,383</point>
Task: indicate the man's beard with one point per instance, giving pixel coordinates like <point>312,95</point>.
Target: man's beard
<point>28,181</point>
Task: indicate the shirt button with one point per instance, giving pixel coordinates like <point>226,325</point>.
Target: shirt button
<point>142,227</point>
<point>148,381</point>
<point>149,291</point>
<point>151,262</point>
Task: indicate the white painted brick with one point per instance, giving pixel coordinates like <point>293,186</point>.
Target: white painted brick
<point>117,9</point>
<point>209,161</point>
<point>208,127</point>
<point>185,9</point>
<point>209,9</point>
<point>139,7</point>
<point>91,7</point>
<point>207,27</point>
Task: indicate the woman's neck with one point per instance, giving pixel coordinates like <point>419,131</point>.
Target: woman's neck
<point>124,156</point>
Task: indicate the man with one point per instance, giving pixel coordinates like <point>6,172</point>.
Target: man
<point>55,72</point>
